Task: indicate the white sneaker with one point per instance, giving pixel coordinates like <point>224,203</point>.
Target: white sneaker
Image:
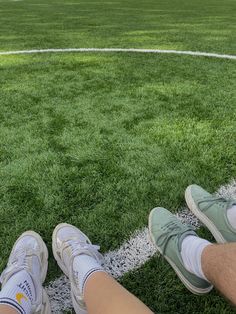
<point>30,253</point>
<point>69,242</point>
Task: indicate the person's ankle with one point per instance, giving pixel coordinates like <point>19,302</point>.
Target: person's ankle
<point>8,309</point>
<point>85,266</point>
<point>19,291</point>
<point>208,254</point>
<point>191,253</point>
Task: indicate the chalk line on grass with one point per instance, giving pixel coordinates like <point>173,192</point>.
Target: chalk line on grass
<point>129,50</point>
<point>130,256</point>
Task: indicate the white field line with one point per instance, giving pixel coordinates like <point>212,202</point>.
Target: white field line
<point>131,255</point>
<point>129,50</point>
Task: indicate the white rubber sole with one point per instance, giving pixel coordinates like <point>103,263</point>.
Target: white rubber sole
<point>46,302</point>
<point>78,310</point>
<point>202,217</point>
<point>183,279</point>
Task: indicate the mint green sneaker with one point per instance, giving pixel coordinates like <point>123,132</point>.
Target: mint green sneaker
<point>167,232</point>
<point>212,211</point>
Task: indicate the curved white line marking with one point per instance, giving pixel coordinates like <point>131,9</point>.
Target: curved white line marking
<point>159,51</point>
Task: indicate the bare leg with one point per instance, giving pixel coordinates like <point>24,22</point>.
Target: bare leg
<point>219,266</point>
<point>7,310</point>
<point>103,295</point>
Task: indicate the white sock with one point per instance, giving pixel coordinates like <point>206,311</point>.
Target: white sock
<point>84,266</point>
<point>19,292</point>
<point>191,252</point>
<point>231,215</point>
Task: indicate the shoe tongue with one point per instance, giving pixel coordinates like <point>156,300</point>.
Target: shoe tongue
<point>67,252</point>
<point>231,203</point>
<point>36,271</point>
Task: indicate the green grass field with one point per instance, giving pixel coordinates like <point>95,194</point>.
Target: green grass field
<point>97,140</point>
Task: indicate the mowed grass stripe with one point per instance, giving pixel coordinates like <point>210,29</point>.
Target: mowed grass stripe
<point>164,24</point>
